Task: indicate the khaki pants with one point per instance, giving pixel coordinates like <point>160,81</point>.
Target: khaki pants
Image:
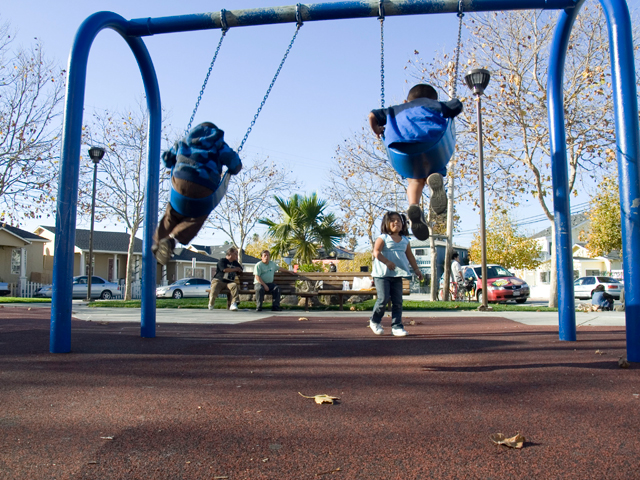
<point>216,288</point>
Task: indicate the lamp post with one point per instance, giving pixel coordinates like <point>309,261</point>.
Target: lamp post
<point>477,80</point>
<point>96,154</point>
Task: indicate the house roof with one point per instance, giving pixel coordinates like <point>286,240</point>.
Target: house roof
<point>104,241</point>
<point>220,251</point>
<point>576,220</point>
<point>22,234</point>
<point>185,255</point>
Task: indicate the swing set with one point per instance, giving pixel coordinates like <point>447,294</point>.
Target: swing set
<point>417,162</point>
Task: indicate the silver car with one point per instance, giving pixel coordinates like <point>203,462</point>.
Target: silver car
<point>583,287</point>
<point>185,287</point>
<point>100,288</point>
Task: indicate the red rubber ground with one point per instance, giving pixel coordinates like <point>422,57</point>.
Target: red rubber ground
<point>221,402</point>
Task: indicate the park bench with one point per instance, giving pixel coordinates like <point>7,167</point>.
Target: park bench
<point>311,284</point>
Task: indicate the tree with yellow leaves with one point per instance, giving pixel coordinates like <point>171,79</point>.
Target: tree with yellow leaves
<point>506,246</point>
<point>605,229</point>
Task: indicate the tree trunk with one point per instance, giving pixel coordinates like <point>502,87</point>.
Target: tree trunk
<point>130,263</point>
<point>553,280</point>
<point>449,249</point>
<point>434,265</point>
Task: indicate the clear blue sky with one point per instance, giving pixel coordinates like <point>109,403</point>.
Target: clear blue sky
<point>330,82</point>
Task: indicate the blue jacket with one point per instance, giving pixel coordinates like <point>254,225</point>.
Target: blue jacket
<point>602,299</point>
<point>420,121</point>
<point>200,156</point>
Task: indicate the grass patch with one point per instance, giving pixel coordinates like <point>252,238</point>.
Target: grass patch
<point>367,305</point>
<point>24,300</point>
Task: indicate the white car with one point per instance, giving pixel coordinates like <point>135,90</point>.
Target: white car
<point>583,287</point>
<point>185,287</point>
<point>100,288</point>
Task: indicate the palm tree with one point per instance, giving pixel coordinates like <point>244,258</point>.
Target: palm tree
<point>303,228</point>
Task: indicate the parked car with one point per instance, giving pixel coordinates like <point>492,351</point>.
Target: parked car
<point>185,287</point>
<point>583,287</point>
<point>4,289</point>
<point>100,288</point>
<point>502,285</point>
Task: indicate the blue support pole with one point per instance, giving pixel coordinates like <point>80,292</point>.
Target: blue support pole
<point>330,11</point>
<point>60,331</point>
<point>560,175</point>
<point>625,101</point>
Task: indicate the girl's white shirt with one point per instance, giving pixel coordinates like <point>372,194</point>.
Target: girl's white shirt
<point>395,252</point>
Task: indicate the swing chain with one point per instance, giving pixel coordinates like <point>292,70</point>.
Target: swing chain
<point>225,28</point>
<point>460,15</point>
<point>381,18</point>
<point>264,100</point>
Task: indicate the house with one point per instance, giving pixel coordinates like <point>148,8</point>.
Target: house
<point>187,262</point>
<point>22,257</point>
<point>421,250</point>
<point>248,262</point>
<point>109,253</point>
<point>584,264</point>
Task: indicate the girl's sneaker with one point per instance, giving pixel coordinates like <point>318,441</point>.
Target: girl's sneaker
<point>419,227</point>
<point>399,332</point>
<point>376,328</point>
<point>438,198</point>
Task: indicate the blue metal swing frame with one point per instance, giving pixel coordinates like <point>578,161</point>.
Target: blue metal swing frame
<point>626,116</point>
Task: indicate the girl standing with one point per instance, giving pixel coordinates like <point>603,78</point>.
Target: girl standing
<point>391,259</point>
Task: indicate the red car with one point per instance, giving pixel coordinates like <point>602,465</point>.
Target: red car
<point>502,285</point>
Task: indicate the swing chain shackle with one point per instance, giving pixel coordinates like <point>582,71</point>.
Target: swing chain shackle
<point>224,29</point>
<point>299,24</point>
<point>381,18</point>
<point>460,15</point>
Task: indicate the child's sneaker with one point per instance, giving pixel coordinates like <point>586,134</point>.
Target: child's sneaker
<point>399,332</point>
<point>376,327</point>
<point>438,199</point>
<point>419,227</point>
<point>164,252</point>
<point>234,306</point>
<point>210,307</point>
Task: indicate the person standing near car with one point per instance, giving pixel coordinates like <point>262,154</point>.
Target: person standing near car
<point>226,277</point>
<point>456,272</point>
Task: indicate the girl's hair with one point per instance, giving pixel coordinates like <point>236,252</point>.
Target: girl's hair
<point>386,224</point>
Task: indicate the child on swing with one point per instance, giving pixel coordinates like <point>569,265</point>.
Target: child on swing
<point>196,168</point>
<point>421,118</point>
<point>391,259</point>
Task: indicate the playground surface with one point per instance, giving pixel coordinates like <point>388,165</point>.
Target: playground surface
<point>219,399</point>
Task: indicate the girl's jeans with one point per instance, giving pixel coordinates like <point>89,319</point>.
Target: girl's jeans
<point>388,288</point>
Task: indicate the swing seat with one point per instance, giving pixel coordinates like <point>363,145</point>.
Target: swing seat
<point>198,207</point>
<point>419,160</point>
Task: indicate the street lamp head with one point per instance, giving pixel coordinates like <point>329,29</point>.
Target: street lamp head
<point>477,80</point>
<point>96,154</point>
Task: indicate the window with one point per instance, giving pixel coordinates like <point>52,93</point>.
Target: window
<point>589,281</point>
<point>592,273</point>
<point>420,251</point>
<point>15,261</point>
<point>194,272</point>
<point>545,277</point>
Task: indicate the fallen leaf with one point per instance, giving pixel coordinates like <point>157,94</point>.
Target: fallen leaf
<point>265,459</point>
<point>29,308</point>
<point>623,363</point>
<point>329,472</point>
<point>107,438</point>
<point>303,319</point>
<point>514,442</point>
<point>320,399</point>
<point>92,462</point>
<point>600,352</point>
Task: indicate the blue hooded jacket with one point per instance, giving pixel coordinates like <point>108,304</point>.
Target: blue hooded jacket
<point>200,156</point>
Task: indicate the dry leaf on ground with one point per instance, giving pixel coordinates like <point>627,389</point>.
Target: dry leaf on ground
<point>329,472</point>
<point>514,442</point>
<point>623,363</point>
<point>320,399</point>
<point>303,319</point>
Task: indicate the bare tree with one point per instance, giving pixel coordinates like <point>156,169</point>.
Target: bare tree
<point>250,196</point>
<point>515,46</point>
<point>121,186</point>
<point>31,93</point>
